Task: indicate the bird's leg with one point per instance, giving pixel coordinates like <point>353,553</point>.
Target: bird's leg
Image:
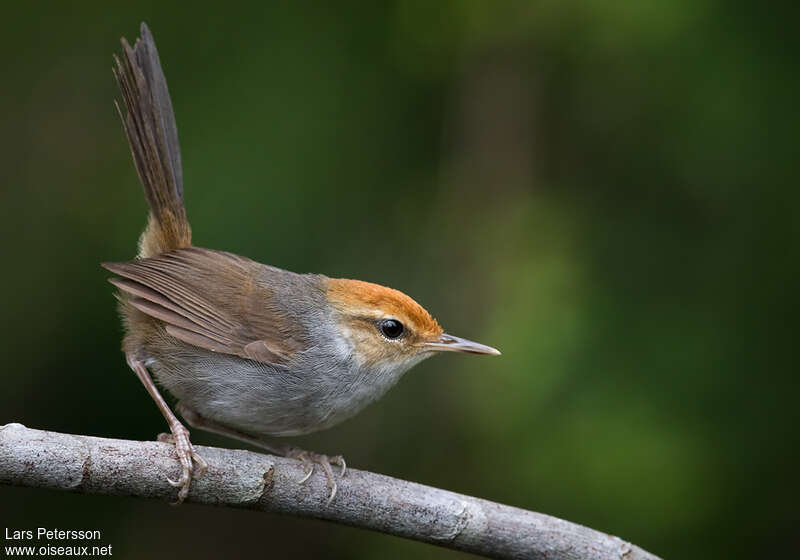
<point>308,458</point>
<point>179,435</point>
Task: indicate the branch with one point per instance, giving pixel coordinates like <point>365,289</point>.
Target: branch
<point>245,479</point>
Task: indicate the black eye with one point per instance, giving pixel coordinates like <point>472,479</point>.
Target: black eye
<point>391,328</point>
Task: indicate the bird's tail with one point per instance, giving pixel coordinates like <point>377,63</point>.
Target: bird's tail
<point>153,137</point>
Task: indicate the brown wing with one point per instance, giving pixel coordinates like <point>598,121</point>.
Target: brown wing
<point>211,299</point>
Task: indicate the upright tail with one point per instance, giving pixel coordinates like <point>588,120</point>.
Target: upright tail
<point>153,137</point>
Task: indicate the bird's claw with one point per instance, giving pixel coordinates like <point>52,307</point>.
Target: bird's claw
<point>308,465</point>
<point>340,462</point>
<point>192,464</point>
<point>309,459</point>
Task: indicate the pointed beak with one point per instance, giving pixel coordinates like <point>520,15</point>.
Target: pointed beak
<point>449,343</point>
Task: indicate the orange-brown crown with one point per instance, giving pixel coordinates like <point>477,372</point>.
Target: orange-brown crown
<point>355,296</point>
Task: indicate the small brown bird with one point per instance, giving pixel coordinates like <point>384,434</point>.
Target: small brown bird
<point>249,350</point>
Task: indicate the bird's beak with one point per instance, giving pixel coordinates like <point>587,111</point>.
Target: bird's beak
<point>449,343</point>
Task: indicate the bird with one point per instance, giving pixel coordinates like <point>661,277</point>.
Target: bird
<point>250,351</point>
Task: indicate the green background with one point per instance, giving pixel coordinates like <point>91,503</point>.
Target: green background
<point>606,191</point>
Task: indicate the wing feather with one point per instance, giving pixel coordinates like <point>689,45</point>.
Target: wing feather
<point>212,300</point>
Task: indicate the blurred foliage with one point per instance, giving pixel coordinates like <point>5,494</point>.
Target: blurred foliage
<point>605,191</point>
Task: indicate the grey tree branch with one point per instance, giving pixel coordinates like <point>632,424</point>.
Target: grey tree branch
<point>245,479</point>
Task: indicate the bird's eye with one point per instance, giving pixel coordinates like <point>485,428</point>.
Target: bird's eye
<point>391,328</point>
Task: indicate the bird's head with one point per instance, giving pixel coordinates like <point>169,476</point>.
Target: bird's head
<point>386,328</point>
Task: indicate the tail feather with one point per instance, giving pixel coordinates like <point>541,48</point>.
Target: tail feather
<point>149,124</point>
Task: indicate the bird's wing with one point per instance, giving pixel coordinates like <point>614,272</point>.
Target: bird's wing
<point>214,300</point>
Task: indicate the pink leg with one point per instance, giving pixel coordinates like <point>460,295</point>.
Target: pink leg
<point>179,434</point>
<point>308,458</point>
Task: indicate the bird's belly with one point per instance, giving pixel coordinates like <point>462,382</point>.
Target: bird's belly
<point>263,400</point>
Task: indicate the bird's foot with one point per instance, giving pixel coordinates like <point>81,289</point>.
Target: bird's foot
<point>309,459</point>
<point>192,464</point>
